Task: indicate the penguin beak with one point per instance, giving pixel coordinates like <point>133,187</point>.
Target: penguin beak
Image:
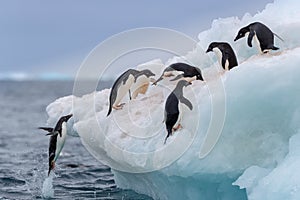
<point>68,117</point>
<point>156,81</point>
<point>208,50</point>
<point>236,38</point>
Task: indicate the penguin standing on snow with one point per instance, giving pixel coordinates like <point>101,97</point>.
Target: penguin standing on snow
<point>57,139</point>
<point>119,89</point>
<point>225,53</point>
<point>173,110</point>
<point>188,72</point>
<point>262,35</point>
<point>141,83</point>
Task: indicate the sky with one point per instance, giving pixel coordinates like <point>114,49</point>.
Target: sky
<point>50,39</point>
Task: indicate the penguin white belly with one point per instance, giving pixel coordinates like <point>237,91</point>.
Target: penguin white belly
<point>189,79</point>
<point>140,86</point>
<point>257,42</point>
<point>180,114</point>
<point>218,54</point>
<point>172,73</point>
<point>167,74</point>
<point>123,90</point>
<point>60,142</point>
<point>227,65</point>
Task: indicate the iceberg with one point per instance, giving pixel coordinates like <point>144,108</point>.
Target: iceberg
<point>257,153</point>
<point>282,182</point>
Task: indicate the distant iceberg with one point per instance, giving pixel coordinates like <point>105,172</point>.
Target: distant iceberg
<point>257,154</point>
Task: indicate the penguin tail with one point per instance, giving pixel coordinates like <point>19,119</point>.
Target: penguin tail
<point>275,48</point>
<point>166,139</point>
<point>278,37</point>
<point>109,110</point>
<point>169,133</point>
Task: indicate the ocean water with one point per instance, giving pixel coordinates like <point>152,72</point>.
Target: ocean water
<point>24,149</point>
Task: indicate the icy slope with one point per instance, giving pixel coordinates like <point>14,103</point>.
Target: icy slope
<point>281,183</point>
<point>262,115</point>
<point>263,112</point>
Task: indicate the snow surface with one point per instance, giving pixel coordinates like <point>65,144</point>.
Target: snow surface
<point>257,155</point>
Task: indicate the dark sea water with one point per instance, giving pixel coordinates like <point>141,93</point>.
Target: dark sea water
<point>24,149</point>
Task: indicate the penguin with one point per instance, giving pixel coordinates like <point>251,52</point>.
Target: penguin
<point>189,72</point>
<point>225,53</point>
<point>57,139</point>
<point>141,83</point>
<point>173,110</point>
<point>119,89</point>
<point>262,35</point>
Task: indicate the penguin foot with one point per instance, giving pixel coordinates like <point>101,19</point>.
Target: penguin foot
<point>168,75</point>
<point>177,127</point>
<point>119,107</point>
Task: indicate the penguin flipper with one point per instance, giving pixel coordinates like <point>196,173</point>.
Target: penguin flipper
<point>250,37</point>
<point>46,129</point>
<point>186,102</point>
<point>177,77</point>
<point>54,133</point>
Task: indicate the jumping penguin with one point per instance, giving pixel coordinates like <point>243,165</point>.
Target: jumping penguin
<point>262,35</point>
<point>173,110</point>
<point>189,72</point>
<point>225,54</point>
<point>57,139</point>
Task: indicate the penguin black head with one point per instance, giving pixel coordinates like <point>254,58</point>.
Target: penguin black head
<point>199,77</point>
<point>242,32</point>
<point>212,46</point>
<point>66,117</point>
<point>199,74</point>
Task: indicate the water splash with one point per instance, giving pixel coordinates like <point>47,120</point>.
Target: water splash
<point>47,190</point>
